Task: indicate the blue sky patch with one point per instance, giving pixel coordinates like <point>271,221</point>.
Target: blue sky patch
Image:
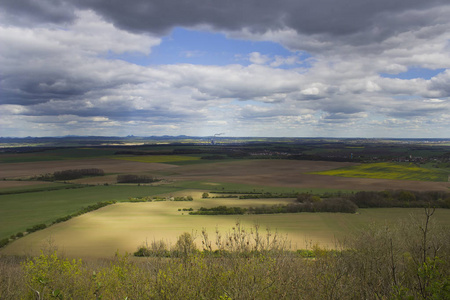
<point>185,46</point>
<point>415,73</point>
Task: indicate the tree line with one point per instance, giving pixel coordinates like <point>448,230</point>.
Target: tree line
<point>70,174</point>
<point>130,178</point>
<point>367,199</point>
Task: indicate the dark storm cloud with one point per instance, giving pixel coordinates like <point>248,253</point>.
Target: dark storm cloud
<point>343,17</point>
<point>332,17</point>
<point>116,111</point>
<point>27,12</point>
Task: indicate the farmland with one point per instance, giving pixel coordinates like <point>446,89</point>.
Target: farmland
<point>125,226</point>
<point>190,170</point>
<point>405,171</point>
<point>22,210</point>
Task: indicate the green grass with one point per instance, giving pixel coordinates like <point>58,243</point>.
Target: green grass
<point>20,211</point>
<point>34,188</point>
<point>386,170</point>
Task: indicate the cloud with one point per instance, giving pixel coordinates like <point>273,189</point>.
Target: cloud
<point>258,58</point>
<point>43,64</point>
<point>29,12</point>
<point>63,65</point>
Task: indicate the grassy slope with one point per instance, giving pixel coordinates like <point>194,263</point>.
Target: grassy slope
<point>387,170</point>
<point>19,211</point>
<point>33,186</point>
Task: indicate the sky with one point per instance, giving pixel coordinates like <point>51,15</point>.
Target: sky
<point>285,68</point>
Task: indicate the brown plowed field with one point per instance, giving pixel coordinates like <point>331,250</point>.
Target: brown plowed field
<point>14,170</point>
<point>288,173</point>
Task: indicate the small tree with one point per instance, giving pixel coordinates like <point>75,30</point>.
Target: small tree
<point>205,195</point>
<point>185,244</point>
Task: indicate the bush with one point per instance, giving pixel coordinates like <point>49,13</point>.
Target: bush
<point>4,242</point>
<point>62,219</point>
<point>185,245</point>
<point>36,228</point>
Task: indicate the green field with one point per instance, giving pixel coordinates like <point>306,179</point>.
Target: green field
<point>386,170</point>
<point>34,188</point>
<point>20,211</point>
<point>56,154</point>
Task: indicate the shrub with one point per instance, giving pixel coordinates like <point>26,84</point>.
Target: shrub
<point>185,245</point>
<point>36,228</point>
<point>156,249</point>
<point>62,219</point>
<point>4,242</point>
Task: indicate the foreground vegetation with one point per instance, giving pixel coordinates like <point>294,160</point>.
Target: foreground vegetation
<point>407,261</point>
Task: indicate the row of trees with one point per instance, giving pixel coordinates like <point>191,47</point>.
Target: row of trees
<point>327,205</point>
<point>400,198</point>
<point>219,210</point>
<point>130,178</point>
<point>70,174</point>
<point>365,199</point>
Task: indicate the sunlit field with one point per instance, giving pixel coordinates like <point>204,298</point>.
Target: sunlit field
<point>20,211</point>
<point>125,226</point>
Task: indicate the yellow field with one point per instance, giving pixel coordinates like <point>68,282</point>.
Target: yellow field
<point>388,170</point>
<point>158,158</point>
